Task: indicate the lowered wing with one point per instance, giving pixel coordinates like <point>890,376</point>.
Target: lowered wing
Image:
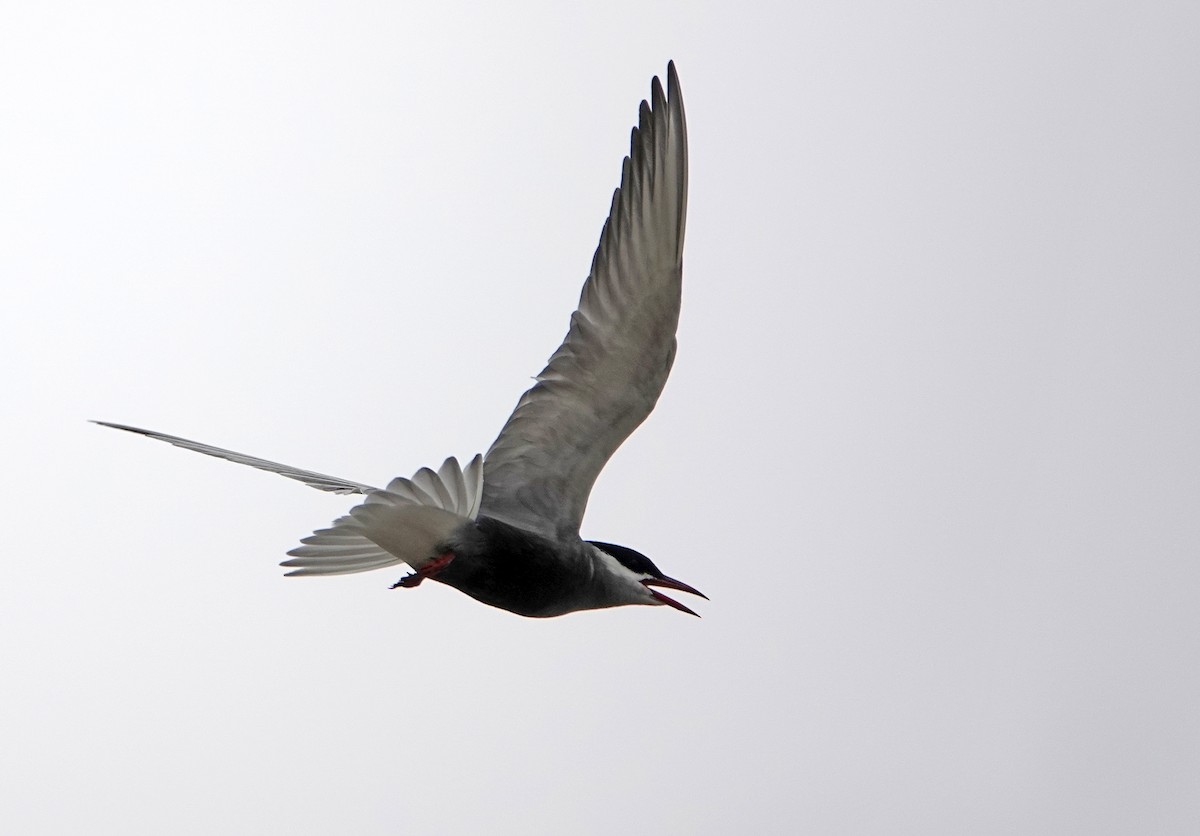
<point>320,481</point>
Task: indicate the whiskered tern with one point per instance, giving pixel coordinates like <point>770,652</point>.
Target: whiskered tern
<point>504,529</point>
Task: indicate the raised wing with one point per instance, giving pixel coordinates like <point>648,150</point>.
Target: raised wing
<point>607,375</point>
<point>315,480</point>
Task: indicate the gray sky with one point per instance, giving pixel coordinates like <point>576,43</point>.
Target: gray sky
<point>930,444</point>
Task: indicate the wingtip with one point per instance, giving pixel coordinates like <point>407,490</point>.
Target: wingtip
<point>672,81</point>
<point>113,426</point>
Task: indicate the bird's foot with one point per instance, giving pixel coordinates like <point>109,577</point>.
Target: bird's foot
<point>429,569</point>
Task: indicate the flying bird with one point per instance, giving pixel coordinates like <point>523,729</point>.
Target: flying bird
<point>504,529</point>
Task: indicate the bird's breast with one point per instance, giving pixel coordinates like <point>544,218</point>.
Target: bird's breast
<point>517,570</point>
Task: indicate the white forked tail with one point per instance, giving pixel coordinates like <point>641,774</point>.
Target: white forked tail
<point>403,523</point>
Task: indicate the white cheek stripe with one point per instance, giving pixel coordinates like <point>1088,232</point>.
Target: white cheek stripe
<point>628,580</point>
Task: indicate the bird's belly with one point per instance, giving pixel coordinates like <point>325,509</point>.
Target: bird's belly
<point>517,571</point>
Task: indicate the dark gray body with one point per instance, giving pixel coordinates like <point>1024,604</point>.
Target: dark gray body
<point>519,571</point>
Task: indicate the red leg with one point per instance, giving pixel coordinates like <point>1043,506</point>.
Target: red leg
<point>428,570</point>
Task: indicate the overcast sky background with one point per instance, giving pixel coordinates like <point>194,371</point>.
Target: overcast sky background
<point>930,444</point>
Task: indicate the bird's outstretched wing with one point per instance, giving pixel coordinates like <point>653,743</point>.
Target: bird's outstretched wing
<point>320,481</point>
<point>607,375</point>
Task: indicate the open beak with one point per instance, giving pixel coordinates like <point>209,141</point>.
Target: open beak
<point>671,583</point>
